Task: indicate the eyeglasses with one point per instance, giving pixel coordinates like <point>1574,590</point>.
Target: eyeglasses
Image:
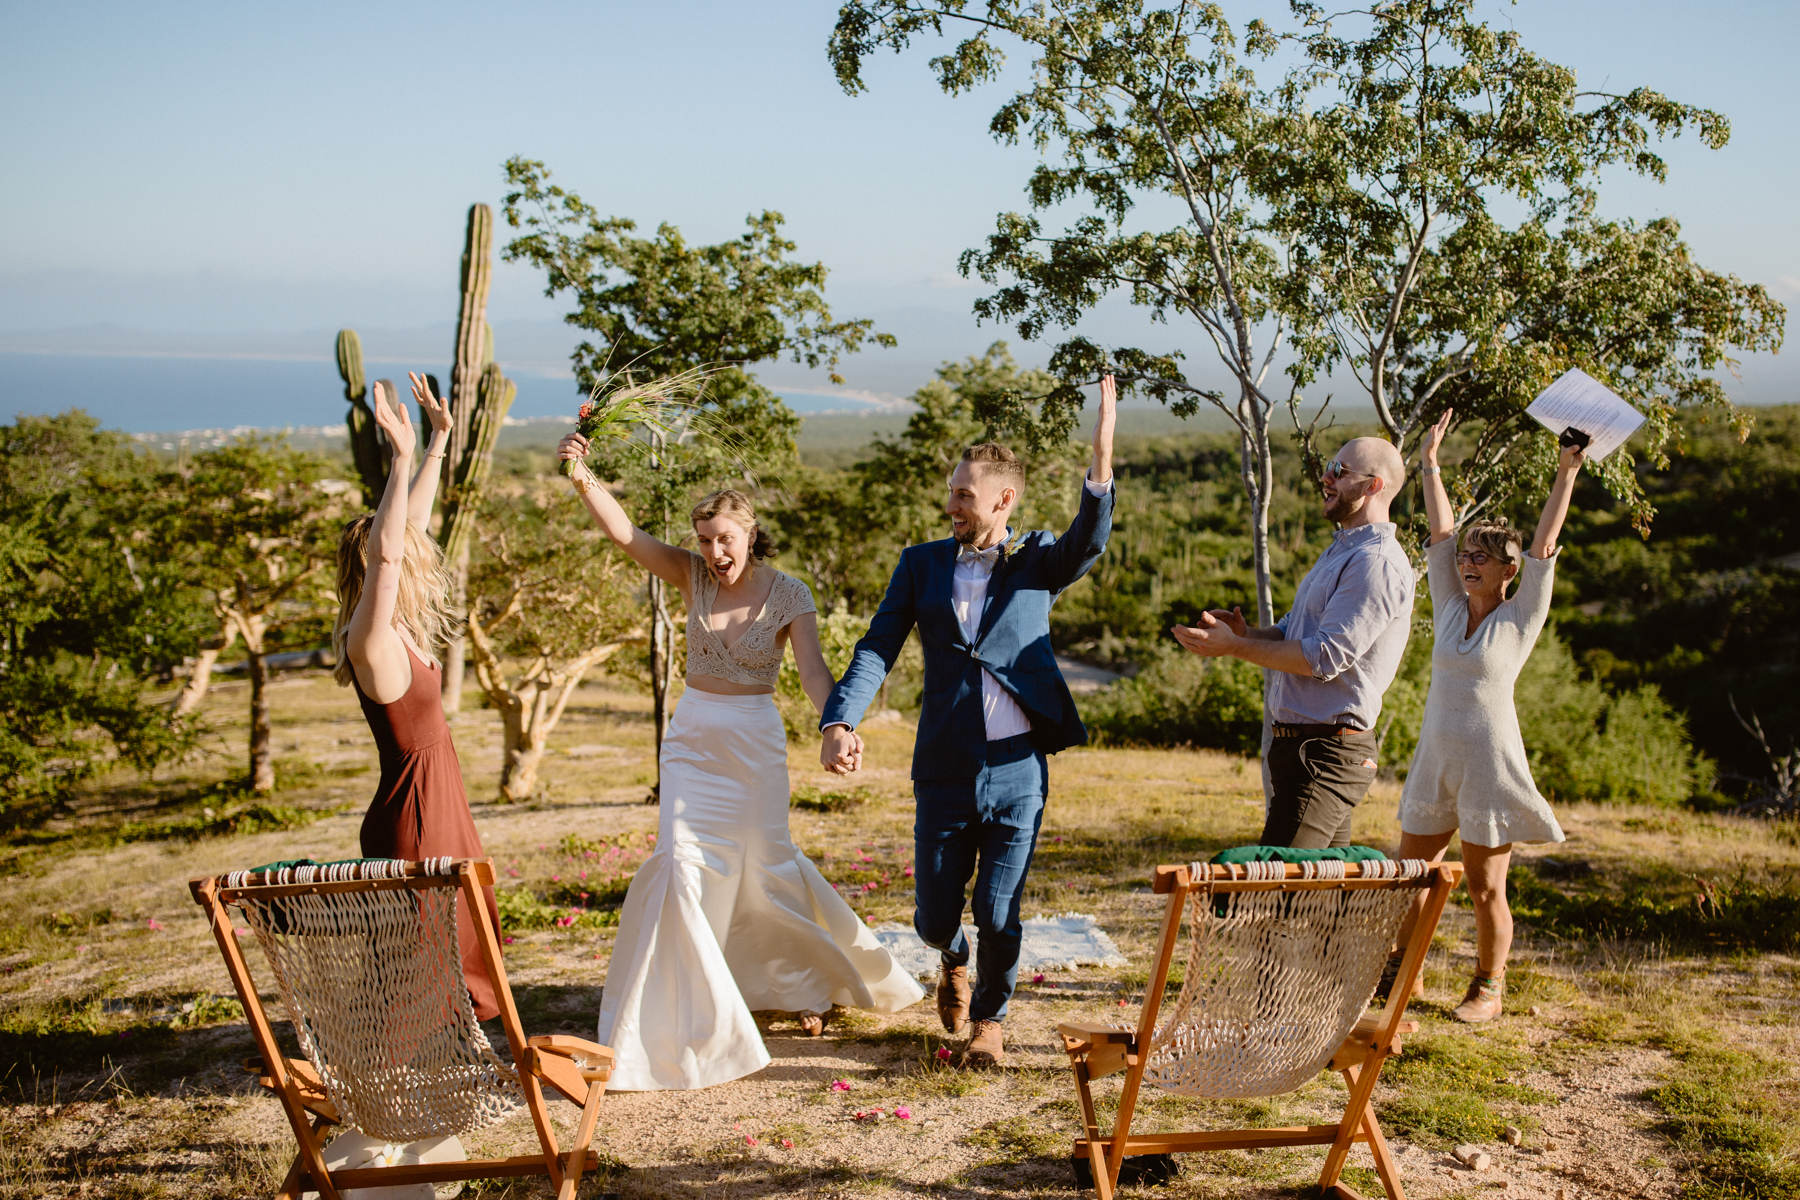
<point>1476,558</point>
<point>1336,469</point>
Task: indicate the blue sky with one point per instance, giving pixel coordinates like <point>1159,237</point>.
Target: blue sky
<point>199,176</point>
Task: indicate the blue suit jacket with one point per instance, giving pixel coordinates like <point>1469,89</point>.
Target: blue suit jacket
<point>1012,643</point>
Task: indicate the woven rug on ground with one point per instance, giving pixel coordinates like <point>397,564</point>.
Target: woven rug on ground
<point>1051,944</point>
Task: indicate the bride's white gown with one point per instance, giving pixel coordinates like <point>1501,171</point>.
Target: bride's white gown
<point>727,915</point>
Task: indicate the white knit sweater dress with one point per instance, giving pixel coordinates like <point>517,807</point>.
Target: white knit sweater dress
<point>1470,773</point>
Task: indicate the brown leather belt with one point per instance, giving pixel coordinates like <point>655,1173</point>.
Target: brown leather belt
<point>1308,731</point>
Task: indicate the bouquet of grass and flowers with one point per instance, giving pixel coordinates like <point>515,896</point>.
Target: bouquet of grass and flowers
<point>664,409</point>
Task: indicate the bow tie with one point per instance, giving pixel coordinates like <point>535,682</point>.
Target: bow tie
<point>991,556</point>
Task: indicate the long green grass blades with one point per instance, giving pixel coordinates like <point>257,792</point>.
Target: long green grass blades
<point>663,411</point>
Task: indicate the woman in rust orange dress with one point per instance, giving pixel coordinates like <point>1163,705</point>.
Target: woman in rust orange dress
<point>393,614</point>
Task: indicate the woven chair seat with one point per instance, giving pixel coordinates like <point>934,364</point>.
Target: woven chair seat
<point>367,961</point>
<point>1279,961</point>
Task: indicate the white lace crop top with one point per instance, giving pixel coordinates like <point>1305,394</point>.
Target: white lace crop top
<point>755,658</point>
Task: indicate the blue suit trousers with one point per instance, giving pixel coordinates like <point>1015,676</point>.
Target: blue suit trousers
<point>985,827</point>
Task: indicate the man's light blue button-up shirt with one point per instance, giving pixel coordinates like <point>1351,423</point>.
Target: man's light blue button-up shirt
<point>1351,616</point>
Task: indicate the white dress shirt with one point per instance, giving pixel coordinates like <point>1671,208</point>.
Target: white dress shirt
<point>968,594</point>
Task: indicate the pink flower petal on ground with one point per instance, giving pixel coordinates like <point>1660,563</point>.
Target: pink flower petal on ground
<point>1121,1004</point>
<point>513,871</point>
<point>153,923</point>
<point>238,931</point>
<point>908,872</point>
<point>943,1053</point>
<point>1038,978</point>
<point>556,879</point>
<point>870,886</point>
<point>749,1141</point>
<point>903,1113</point>
<point>786,1144</point>
<point>840,1085</point>
<point>508,940</point>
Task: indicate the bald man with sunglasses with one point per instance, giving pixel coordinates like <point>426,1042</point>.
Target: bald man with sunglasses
<point>1331,657</point>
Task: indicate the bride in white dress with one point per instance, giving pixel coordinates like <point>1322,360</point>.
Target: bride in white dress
<point>727,915</point>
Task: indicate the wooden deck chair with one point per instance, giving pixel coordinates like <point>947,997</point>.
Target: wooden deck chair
<point>1282,961</point>
<point>365,958</point>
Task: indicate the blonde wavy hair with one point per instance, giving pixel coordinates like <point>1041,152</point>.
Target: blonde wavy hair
<point>422,607</point>
<point>733,505</point>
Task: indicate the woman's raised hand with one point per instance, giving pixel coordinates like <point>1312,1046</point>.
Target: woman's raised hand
<point>436,409</point>
<point>391,418</point>
<point>1571,458</point>
<point>1434,437</point>
<point>572,448</point>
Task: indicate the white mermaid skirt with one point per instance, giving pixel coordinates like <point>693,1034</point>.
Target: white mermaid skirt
<point>727,915</point>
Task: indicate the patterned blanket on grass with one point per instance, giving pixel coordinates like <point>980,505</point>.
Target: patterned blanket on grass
<point>1051,944</point>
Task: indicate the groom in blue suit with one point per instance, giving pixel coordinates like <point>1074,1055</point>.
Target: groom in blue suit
<point>995,706</point>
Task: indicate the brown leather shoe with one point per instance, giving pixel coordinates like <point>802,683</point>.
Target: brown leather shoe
<point>986,1047</point>
<point>953,997</point>
<point>1483,1000</point>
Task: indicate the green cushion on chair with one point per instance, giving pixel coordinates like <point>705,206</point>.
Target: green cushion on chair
<point>286,863</point>
<point>1293,854</point>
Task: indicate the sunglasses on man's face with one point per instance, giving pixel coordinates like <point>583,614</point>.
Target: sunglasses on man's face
<point>1336,469</point>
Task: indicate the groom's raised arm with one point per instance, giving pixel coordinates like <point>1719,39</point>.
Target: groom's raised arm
<point>876,650</point>
<point>1081,545</point>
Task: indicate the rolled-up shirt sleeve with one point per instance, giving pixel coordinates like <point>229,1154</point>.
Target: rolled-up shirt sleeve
<point>1369,594</point>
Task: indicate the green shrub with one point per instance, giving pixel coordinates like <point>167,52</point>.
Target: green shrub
<point>521,908</point>
<point>1182,699</point>
<point>1585,743</point>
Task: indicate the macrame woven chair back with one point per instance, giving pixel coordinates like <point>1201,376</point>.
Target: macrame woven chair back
<point>1275,980</point>
<point>373,983</point>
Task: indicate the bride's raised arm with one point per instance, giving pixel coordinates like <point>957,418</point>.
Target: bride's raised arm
<point>666,562</point>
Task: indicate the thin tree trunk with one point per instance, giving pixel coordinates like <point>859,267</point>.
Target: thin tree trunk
<point>525,739</point>
<point>662,651</point>
<point>527,727</point>
<point>200,677</point>
<point>262,761</point>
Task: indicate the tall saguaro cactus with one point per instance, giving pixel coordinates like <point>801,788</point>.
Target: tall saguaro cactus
<point>365,437</point>
<point>480,396</point>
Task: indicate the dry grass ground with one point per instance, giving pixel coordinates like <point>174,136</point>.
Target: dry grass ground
<point>1648,1049</point>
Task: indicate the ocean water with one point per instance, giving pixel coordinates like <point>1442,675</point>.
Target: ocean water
<point>145,394</point>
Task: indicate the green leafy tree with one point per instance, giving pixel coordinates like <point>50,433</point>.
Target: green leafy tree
<point>256,524</point>
<point>550,601</point>
<point>1441,205</point>
<point>657,306</point>
<point>91,613</point>
<point>1339,216</point>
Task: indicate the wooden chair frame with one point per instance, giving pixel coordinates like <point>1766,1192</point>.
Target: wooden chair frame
<point>550,1060</point>
<point>1096,1051</point>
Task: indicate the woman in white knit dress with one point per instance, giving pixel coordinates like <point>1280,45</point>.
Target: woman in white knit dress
<point>727,915</point>
<point>1470,775</point>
